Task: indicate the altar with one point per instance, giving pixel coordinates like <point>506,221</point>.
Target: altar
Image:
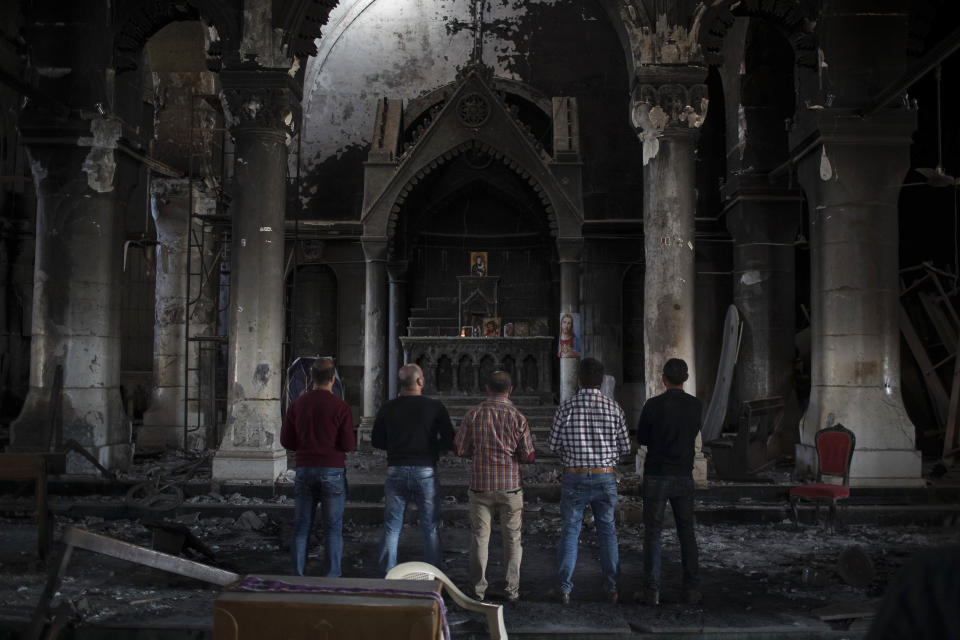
<point>459,342</point>
<point>454,365</point>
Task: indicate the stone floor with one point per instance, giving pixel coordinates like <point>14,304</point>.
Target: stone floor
<point>761,580</point>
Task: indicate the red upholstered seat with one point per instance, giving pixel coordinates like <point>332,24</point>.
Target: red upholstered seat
<point>821,490</point>
<point>834,452</point>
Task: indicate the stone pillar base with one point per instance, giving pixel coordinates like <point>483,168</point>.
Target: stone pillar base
<point>112,456</point>
<point>90,415</point>
<point>155,436</point>
<point>700,471</point>
<point>364,431</point>
<point>235,464</point>
<point>886,468</point>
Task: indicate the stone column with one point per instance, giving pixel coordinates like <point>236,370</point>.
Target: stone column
<point>374,333</point>
<point>668,212</point>
<point>163,422</point>
<point>669,117</point>
<point>763,220</point>
<point>261,107</point>
<point>569,251</point>
<point>76,295</point>
<point>397,323</point>
<point>852,177</point>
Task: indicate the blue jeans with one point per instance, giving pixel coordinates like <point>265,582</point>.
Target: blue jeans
<point>329,486</point>
<point>679,491</point>
<point>600,492</point>
<point>403,485</point>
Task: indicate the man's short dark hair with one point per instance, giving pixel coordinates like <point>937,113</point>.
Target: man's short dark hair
<point>591,373</point>
<point>322,371</point>
<point>675,371</point>
<point>499,382</point>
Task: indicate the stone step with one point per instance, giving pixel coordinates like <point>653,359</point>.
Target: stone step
<point>432,321</point>
<point>427,332</point>
<point>628,512</point>
<point>367,486</point>
<point>435,303</point>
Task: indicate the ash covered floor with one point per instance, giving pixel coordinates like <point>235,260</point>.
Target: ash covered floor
<point>768,579</point>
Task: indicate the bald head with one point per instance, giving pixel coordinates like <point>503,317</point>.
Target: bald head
<point>499,384</point>
<point>410,380</point>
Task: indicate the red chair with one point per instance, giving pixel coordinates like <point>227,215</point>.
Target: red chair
<point>834,450</point>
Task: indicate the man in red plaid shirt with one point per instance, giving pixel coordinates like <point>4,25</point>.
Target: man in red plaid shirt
<point>498,438</point>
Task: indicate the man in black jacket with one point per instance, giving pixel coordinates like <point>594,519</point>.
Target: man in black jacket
<point>669,424</point>
<point>413,429</point>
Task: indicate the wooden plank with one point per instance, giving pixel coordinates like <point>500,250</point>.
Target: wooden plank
<point>945,331</point>
<point>938,395</point>
<point>846,611</point>
<point>950,436</point>
<point>21,466</point>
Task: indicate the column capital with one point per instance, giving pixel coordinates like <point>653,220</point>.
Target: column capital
<point>374,248</point>
<point>569,249</point>
<point>667,105</point>
<point>264,101</point>
<point>847,157</point>
<point>751,200</point>
<point>397,270</point>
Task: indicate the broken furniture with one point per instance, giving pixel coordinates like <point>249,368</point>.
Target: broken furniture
<point>176,538</point>
<point>426,571</point>
<point>79,539</point>
<point>716,414</point>
<point>264,607</point>
<point>34,466</point>
<point>749,448</point>
<point>834,452</point>
<point>930,324</point>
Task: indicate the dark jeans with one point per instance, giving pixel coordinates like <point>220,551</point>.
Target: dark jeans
<point>313,485</point>
<point>679,491</point>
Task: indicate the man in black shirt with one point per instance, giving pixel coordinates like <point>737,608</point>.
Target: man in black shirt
<point>669,424</point>
<point>413,429</point>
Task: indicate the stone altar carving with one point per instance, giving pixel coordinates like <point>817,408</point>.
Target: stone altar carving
<point>455,366</point>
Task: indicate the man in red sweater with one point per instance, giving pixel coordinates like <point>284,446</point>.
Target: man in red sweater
<point>319,428</point>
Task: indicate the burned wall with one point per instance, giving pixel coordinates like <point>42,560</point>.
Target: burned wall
<point>17,206</point>
<point>372,49</point>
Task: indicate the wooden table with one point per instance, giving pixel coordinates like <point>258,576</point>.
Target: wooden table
<point>262,615</point>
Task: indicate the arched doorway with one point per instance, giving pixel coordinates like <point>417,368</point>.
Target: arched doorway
<point>313,309</point>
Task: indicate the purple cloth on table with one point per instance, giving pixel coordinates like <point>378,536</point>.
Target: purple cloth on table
<point>253,583</point>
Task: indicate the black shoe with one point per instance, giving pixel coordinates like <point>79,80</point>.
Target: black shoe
<point>613,597</point>
<point>692,596</point>
<point>558,596</point>
<point>649,597</point>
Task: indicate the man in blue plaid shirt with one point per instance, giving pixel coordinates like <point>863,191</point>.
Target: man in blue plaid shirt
<point>589,433</point>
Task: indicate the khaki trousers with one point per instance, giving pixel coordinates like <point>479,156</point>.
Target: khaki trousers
<point>510,507</point>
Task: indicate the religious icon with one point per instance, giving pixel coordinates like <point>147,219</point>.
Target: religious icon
<point>466,331</point>
<point>521,328</point>
<point>491,327</point>
<point>569,343</point>
<point>478,263</point>
<point>508,330</point>
<point>539,327</point>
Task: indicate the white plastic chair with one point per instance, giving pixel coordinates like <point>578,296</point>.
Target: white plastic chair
<point>425,571</point>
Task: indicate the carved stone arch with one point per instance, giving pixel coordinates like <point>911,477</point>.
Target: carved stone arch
<point>794,19</point>
<point>300,21</point>
<point>137,20</point>
<point>497,155</point>
<point>473,118</point>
